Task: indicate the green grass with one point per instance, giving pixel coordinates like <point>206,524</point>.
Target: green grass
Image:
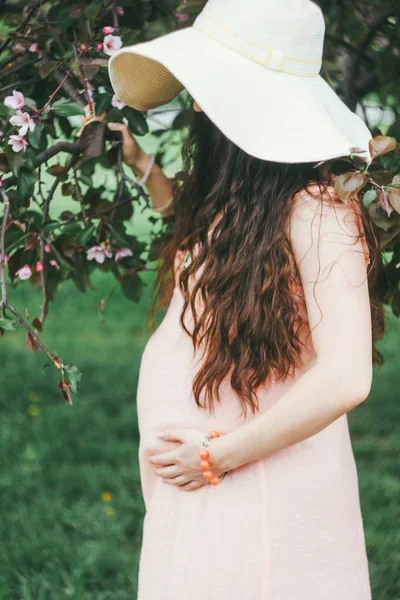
<point>59,538</point>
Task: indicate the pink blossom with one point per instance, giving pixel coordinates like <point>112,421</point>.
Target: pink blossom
<point>120,10</point>
<point>24,121</point>
<point>83,47</point>
<point>24,272</point>
<point>17,143</point>
<point>111,44</point>
<point>54,263</point>
<point>35,48</point>
<point>117,102</point>
<point>16,101</point>
<point>99,46</point>
<point>98,253</point>
<point>39,266</point>
<point>6,258</point>
<point>108,29</point>
<point>122,253</point>
<point>47,248</point>
<point>181,17</point>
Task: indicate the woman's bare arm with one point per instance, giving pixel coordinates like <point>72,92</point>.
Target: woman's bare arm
<point>159,186</point>
<point>332,267</point>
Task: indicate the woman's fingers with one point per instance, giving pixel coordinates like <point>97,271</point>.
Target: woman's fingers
<point>192,485</point>
<point>164,458</point>
<point>168,472</point>
<point>121,127</point>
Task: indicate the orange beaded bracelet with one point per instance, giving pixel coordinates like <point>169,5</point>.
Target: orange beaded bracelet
<point>204,455</point>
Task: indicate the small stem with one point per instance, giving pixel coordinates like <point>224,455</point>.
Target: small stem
<point>2,246</point>
<point>56,361</point>
<point>115,16</point>
<point>42,110</point>
<point>80,197</point>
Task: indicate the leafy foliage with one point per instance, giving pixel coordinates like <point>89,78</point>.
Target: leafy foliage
<point>53,66</point>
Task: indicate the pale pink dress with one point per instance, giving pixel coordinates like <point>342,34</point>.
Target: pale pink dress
<point>287,527</point>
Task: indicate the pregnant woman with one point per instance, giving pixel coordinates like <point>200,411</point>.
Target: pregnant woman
<point>268,341</point>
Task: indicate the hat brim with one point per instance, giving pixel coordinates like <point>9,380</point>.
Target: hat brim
<point>271,115</point>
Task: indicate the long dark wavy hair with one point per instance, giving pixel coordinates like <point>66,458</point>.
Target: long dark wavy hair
<point>249,323</point>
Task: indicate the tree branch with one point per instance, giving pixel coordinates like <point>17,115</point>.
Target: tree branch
<point>70,147</point>
<point>2,247</point>
<point>55,360</point>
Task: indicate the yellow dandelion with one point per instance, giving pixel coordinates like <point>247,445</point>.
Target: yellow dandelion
<point>110,511</point>
<point>33,410</point>
<point>106,497</point>
<point>34,397</point>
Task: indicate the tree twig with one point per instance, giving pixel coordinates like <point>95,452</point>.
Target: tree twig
<point>54,359</point>
<point>2,247</point>
<point>70,147</point>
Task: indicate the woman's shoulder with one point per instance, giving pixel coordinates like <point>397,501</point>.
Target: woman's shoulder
<point>318,211</point>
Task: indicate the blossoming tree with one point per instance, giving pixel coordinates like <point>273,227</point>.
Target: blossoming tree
<point>53,65</point>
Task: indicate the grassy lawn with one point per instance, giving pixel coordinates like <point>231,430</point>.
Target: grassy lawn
<point>71,506</point>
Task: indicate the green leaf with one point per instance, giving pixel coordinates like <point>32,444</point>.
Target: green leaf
<point>369,197</point>
<point>136,120</point>
<point>132,287</point>
<point>7,324</point>
<point>103,101</point>
<point>4,166</point>
<point>85,235</point>
<point>47,67</point>
<point>50,226</point>
<point>25,184</point>
<point>15,160</point>
<point>71,229</point>
<point>14,240</point>
<point>396,180</point>
<point>67,108</point>
<point>119,236</point>
<point>34,136</point>
<point>72,376</point>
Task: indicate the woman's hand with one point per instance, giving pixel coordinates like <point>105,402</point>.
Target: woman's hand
<point>132,153</point>
<point>181,466</point>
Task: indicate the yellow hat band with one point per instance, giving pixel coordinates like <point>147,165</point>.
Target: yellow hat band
<point>271,58</point>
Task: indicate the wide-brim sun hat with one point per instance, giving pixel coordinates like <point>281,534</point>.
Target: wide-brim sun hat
<point>254,68</point>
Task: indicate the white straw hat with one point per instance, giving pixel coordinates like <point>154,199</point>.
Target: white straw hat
<point>253,67</point>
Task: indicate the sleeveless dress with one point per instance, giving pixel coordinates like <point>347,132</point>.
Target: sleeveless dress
<point>286,527</point>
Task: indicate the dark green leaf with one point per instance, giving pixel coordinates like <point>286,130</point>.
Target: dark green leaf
<point>4,166</point>
<point>85,235</point>
<point>25,184</point>
<point>66,108</point>
<point>47,67</point>
<point>34,136</point>
<point>136,120</point>
<point>103,101</point>
<point>132,287</point>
